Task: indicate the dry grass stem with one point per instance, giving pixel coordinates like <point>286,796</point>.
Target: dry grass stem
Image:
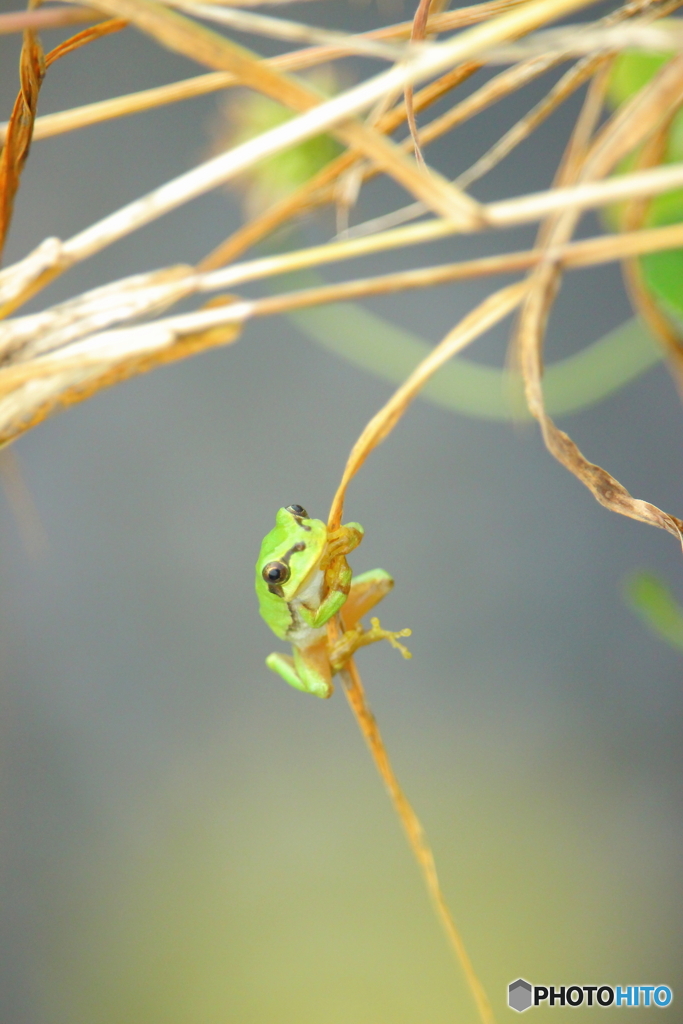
<point>583,40</point>
<point>506,213</point>
<point>488,313</point>
<point>291,31</point>
<point>30,392</point>
<point>32,66</point>
<point>200,85</point>
<point>634,123</point>
<point>561,91</point>
<point>417,34</point>
<point>51,17</point>
<point>481,319</point>
<point>493,309</point>
<point>19,129</point>
<point>415,834</point>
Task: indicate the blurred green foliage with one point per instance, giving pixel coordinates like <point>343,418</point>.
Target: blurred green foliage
<point>650,598</point>
<point>249,114</point>
<point>662,271</point>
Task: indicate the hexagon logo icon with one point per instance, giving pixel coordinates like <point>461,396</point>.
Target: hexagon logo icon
<point>519,995</point>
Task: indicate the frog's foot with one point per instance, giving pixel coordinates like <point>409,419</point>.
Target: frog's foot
<point>377,633</point>
<point>357,637</point>
<point>308,671</point>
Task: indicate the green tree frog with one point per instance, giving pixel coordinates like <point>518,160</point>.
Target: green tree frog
<point>302,580</point>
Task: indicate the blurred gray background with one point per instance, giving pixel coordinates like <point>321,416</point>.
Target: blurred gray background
<point>186,839</point>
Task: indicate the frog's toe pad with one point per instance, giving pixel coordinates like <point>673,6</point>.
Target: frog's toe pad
<point>392,637</point>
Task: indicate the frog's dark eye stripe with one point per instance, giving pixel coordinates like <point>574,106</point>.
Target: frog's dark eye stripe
<point>276,573</point>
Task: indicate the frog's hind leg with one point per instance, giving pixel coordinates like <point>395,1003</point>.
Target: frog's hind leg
<point>366,591</point>
<point>314,669</point>
<point>309,670</point>
<point>283,664</point>
<point>350,641</point>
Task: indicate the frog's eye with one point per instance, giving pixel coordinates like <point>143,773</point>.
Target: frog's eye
<point>275,573</point>
<point>297,510</point>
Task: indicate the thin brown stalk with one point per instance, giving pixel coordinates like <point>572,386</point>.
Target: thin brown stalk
<point>54,17</point>
<point>291,31</point>
<point>32,66</point>
<point>18,140</point>
<point>630,126</point>
<point>506,213</point>
<point>438,22</point>
<point>493,309</point>
<point>491,92</point>
<point>415,834</point>
<point>583,40</point>
<point>496,89</point>
<point>558,94</point>
<point>526,348</point>
<point>636,121</point>
<point>446,21</point>
<point>519,210</point>
<point>587,253</point>
<point>148,99</point>
<point>88,35</point>
<point>49,125</point>
<point>417,34</point>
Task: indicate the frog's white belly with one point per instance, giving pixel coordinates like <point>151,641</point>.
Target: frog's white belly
<point>300,633</point>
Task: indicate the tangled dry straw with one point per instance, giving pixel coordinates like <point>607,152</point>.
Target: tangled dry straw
<point>70,351</point>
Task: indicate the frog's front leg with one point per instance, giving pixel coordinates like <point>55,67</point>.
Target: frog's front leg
<point>309,670</point>
<point>338,574</point>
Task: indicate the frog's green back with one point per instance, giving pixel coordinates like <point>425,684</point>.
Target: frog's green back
<point>289,531</point>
